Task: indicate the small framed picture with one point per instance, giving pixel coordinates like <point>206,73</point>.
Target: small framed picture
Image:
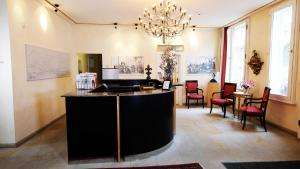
<point>166,85</point>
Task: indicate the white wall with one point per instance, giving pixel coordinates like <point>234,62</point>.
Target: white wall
<point>7,128</point>
<point>36,103</point>
<point>126,41</point>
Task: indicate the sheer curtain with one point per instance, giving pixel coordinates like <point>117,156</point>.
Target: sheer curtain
<point>236,53</point>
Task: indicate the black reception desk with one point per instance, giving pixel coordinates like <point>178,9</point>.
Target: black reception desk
<point>105,124</point>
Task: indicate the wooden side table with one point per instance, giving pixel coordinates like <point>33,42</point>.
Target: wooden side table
<point>240,95</point>
<point>212,87</point>
<point>179,87</point>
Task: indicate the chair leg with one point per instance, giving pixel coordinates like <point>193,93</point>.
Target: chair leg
<point>197,101</point>
<point>203,102</point>
<point>186,100</point>
<point>242,116</point>
<point>188,103</point>
<point>211,106</point>
<point>261,121</point>
<point>245,118</point>
<point>264,119</point>
<point>233,107</point>
<point>224,111</point>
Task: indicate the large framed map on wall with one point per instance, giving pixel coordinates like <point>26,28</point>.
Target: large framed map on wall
<point>42,63</point>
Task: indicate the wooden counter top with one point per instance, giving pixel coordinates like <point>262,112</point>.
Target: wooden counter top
<point>87,93</point>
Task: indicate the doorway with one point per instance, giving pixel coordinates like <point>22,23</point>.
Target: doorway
<point>91,63</point>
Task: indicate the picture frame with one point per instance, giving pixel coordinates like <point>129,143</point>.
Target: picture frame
<point>129,65</point>
<point>166,85</point>
<point>196,65</point>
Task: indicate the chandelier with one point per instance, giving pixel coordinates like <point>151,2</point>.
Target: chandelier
<point>164,20</point>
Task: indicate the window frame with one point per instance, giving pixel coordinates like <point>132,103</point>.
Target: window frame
<point>291,97</point>
<point>229,48</point>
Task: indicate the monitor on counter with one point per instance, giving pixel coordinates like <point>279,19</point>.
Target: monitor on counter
<point>110,73</point>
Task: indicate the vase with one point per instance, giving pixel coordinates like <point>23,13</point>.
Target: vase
<point>168,76</point>
<point>246,91</point>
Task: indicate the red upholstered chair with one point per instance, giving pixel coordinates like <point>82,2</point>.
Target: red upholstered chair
<point>191,88</point>
<point>227,97</point>
<point>259,111</point>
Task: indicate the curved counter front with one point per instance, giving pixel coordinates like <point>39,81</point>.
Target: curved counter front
<point>110,124</point>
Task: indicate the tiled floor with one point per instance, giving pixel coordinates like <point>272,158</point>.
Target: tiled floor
<point>201,137</point>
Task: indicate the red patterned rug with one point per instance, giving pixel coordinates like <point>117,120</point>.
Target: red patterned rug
<point>177,166</point>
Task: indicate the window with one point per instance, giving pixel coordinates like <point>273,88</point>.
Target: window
<point>236,52</point>
<point>281,55</point>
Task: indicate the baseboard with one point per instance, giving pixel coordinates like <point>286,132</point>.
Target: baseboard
<point>14,145</point>
<point>293,133</point>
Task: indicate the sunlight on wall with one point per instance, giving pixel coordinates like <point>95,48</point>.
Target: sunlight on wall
<point>193,40</point>
<point>43,19</point>
<point>19,13</point>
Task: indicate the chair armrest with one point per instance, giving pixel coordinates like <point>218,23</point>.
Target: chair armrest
<point>251,99</point>
<point>231,96</point>
<point>254,98</point>
<point>215,93</point>
<point>201,90</point>
<point>255,102</point>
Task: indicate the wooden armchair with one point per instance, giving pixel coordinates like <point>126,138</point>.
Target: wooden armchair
<point>192,92</point>
<point>259,111</point>
<point>227,98</point>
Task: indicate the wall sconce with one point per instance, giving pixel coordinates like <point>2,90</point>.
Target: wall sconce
<point>136,26</point>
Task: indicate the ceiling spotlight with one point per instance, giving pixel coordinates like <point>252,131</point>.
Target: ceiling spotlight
<point>194,27</point>
<point>116,24</point>
<point>56,7</point>
<point>136,26</point>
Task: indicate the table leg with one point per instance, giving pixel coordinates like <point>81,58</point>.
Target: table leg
<point>239,104</point>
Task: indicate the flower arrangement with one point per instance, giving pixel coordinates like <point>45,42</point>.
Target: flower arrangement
<point>168,63</point>
<point>247,84</point>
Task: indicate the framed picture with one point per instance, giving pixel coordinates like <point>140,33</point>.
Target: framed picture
<point>129,65</point>
<point>166,85</point>
<point>202,64</point>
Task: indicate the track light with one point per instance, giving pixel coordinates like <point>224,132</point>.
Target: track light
<point>56,7</point>
<point>116,24</point>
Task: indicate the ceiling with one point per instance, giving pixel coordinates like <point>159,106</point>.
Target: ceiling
<point>205,13</point>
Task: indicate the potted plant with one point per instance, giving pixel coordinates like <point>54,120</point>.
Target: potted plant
<point>168,63</point>
<point>247,85</point>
